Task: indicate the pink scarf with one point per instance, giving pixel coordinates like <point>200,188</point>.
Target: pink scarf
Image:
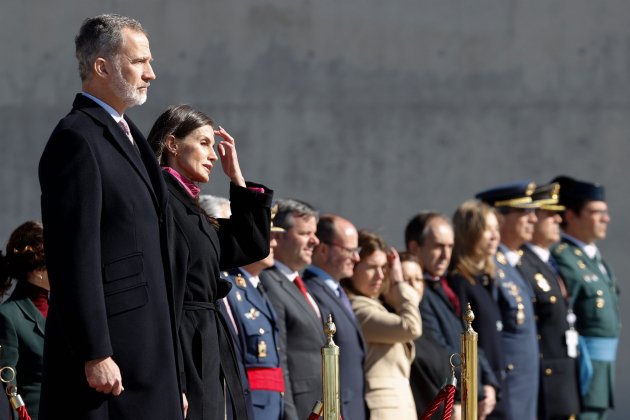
<point>189,186</point>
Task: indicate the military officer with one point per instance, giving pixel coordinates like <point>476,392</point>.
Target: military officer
<point>514,205</point>
<point>256,335</point>
<point>558,396</point>
<point>593,290</point>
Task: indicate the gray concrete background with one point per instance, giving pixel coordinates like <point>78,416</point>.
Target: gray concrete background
<point>370,109</point>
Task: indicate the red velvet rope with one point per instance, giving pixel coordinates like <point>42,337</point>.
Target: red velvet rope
<point>446,395</point>
<point>22,413</point>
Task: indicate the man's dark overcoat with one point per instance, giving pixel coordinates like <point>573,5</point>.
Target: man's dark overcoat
<point>102,202</point>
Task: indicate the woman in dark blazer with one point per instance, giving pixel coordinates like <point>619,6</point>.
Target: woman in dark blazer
<point>473,279</point>
<point>23,315</point>
<point>200,246</point>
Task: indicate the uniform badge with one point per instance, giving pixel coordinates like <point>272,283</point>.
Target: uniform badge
<point>500,273</point>
<point>252,314</point>
<point>600,303</point>
<point>262,349</point>
<point>581,264</point>
<point>520,314</point>
<point>239,297</point>
<point>542,282</point>
<point>240,281</point>
<point>501,258</point>
<point>577,252</point>
<point>499,326</point>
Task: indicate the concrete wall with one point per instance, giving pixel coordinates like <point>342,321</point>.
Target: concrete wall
<point>371,109</point>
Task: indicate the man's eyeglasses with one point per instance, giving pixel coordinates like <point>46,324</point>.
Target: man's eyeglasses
<point>349,251</point>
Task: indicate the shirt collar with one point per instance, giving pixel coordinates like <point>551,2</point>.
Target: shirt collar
<point>328,279</point>
<point>290,274</point>
<point>513,257</point>
<point>542,253</point>
<point>111,111</point>
<point>589,249</point>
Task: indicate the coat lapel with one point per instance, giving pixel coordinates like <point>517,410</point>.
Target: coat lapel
<point>32,314</point>
<point>119,139</point>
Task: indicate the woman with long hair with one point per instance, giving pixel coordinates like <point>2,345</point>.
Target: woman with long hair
<point>472,277</point>
<point>23,315</point>
<point>200,246</point>
<point>387,310</point>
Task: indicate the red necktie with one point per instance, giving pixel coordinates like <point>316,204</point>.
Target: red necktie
<point>450,294</point>
<point>299,283</point>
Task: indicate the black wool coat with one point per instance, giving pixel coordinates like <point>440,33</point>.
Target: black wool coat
<point>102,202</point>
<point>198,252</point>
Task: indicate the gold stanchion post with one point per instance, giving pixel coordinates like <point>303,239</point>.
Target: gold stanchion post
<point>469,367</point>
<point>330,373</point>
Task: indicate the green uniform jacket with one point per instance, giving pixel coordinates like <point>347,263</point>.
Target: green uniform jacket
<point>594,296</point>
<point>22,341</point>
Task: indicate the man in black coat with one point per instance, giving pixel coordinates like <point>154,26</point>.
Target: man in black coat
<point>109,346</point>
<point>298,315</point>
<point>333,260</point>
<point>429,236</point>
<point>558,396</point>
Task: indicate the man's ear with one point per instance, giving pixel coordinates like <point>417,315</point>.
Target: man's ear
<point>412,246</point>
<point>101,68</point>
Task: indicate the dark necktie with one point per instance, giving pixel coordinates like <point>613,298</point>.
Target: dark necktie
<point>299,283</point>
<point>451,296</point>
<point>345,300</point>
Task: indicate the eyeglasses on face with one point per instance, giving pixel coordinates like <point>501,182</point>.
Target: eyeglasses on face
<point>348,250</point>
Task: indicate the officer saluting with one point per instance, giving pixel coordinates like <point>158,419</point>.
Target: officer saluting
<point>516,216</point>
<point>558,395</point>
<point>593,290</point>
<point>256,336</point>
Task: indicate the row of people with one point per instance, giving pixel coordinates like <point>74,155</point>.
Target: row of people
<point>137,326</point>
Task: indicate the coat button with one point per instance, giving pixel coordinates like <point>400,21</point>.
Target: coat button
<point>548,372</point>
<point>510,367</point>
<point>261,331</point>
<point>600,293</point>
<point>553,299</point>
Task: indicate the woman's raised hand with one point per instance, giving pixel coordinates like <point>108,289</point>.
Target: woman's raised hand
<point>229,158</point>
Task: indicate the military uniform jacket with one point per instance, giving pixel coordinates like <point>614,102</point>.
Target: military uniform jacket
<point>519,337</point>
<point>302,337</point>
<point>594,296</point>
<point>258,333</point>
<point>22,341</point>
<point>103,203</point>
<point>351,344</point>
<point>558,394</point>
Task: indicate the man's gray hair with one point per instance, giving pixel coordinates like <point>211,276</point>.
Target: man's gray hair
<point>101,36</point>
<point>214,205</point>
<point>289,209</point>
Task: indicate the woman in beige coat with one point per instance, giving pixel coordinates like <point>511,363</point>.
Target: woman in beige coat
<point>387,310</point>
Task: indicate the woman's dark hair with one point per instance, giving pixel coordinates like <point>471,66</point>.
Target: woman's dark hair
<point>178,121</point>
<point>25,253</point>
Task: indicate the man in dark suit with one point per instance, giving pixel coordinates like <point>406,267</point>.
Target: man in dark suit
<point>558,396</point>
<point>429,236</point>
<point>516,217</point>
<point>333,260</point>
<point>109,337</point>
<point>594,291</point>
<point>299,317</point>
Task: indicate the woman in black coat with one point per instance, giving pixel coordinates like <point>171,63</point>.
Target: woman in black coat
<point>200,247</point>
